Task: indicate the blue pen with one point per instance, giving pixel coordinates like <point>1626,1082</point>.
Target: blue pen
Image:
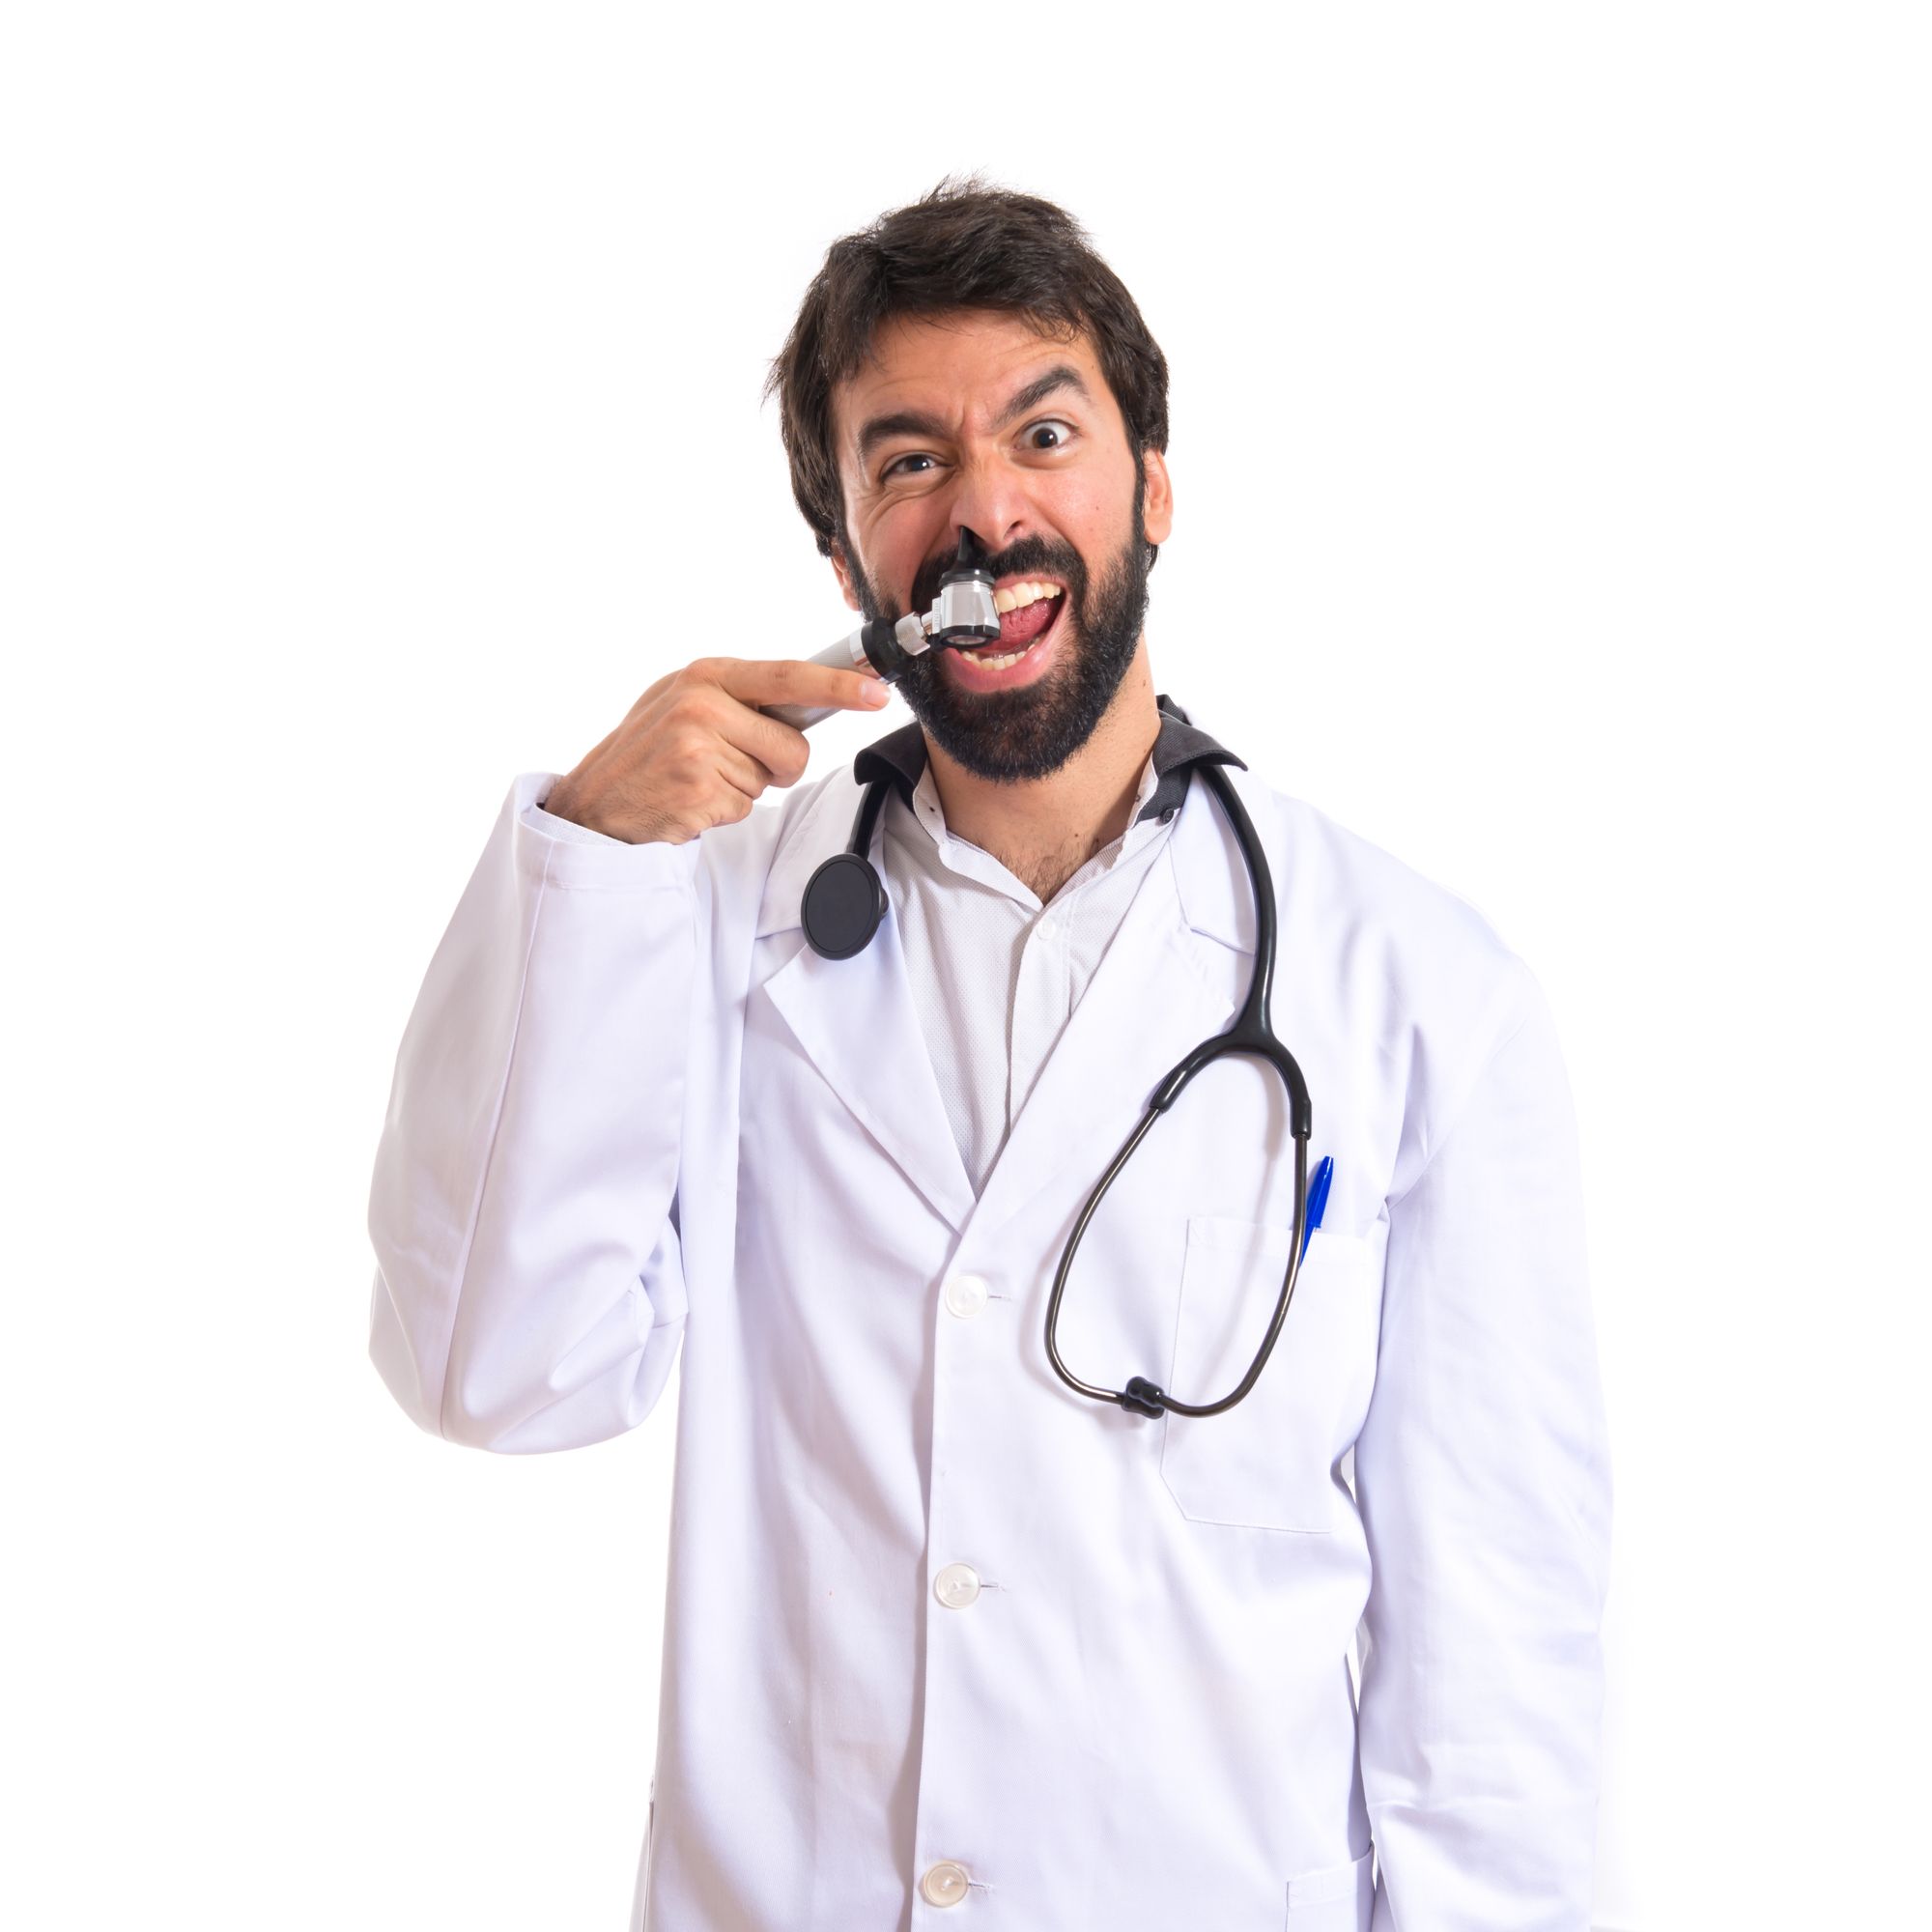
<point>1317,1197</point>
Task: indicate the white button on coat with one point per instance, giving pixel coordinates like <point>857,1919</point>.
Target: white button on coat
<point>631,1100</point>
<point>944,1884</point>
<point>957,1585</point>
<point>965,1295</point>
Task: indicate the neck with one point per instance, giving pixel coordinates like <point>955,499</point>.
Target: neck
<point>1044,830</point>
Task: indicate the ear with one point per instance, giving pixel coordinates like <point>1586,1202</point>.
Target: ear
<point>1158,499</point>
<point>843,570</point>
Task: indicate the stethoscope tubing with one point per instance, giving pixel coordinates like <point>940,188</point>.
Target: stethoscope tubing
<point>843,905</point>
<point>1251,1032</point>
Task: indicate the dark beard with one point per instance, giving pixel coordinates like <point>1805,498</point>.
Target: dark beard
<point>1029,733</point>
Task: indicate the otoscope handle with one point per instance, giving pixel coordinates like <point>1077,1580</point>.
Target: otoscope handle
<point>886,648</point>
<point>847,654</point>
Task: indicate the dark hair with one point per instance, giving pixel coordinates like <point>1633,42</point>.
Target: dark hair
<point>962,246</point>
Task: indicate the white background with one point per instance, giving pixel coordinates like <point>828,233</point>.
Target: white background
<point>379,415</point>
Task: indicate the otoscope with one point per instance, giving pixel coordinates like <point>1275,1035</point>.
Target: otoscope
<point>962,615</point>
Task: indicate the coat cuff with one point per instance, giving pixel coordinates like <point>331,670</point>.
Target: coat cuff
<point>562,853</point>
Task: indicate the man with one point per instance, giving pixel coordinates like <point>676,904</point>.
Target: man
<point>944,1635</point>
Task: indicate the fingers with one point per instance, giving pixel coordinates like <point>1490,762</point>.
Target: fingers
<point>731,725</point>
<point>747,773</point>
<point>792,681</point>
<point>694,751</point>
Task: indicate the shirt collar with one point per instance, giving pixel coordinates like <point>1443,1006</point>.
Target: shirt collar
<point>1209,875</point>
<point>899,759</point>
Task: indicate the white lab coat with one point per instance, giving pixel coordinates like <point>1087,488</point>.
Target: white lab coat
<point>634,1110</point>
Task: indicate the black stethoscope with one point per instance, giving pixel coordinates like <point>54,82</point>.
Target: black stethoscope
<point>844,902</point>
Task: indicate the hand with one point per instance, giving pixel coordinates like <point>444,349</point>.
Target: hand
<point>693,752</point>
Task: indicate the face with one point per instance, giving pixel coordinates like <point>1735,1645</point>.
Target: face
<point>975,421</point>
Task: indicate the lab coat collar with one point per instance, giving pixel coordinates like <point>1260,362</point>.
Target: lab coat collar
<point>1151,997</point>
<point>824,827</point>
<point>1178,747</point>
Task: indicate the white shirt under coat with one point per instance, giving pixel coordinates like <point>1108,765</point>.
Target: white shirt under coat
<point>995,974</point>
<point>946,1641</point>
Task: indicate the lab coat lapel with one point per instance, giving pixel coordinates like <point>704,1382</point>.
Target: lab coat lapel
<point>1151,998</point>
<point>857,1021</point>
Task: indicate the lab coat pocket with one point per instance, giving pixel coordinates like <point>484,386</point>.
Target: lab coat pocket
<point>1338,1898</point>
<point>1266,1462</point>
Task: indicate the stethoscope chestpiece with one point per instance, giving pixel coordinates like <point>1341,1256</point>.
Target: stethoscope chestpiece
<point>845,901</point>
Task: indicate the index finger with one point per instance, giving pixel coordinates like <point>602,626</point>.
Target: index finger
<point>757,681</point>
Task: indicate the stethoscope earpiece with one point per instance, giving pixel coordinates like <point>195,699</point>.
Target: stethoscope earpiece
<point>845,901</point>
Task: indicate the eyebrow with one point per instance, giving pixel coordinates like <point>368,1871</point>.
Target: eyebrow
<point>918,422</point>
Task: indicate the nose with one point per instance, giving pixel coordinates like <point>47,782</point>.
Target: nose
<point>990,500</point>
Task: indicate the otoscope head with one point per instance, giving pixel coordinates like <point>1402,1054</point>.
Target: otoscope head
<point>962,614</point>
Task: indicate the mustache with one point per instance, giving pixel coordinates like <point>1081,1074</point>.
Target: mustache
<point>1029,557</point>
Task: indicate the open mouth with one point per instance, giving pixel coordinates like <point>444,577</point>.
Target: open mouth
<point>1028,612</point>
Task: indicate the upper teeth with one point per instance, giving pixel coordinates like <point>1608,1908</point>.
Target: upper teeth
<point>1017,596</point>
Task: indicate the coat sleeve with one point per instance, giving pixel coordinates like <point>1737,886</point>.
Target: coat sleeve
<point>529,1290</point>
<point>1483,1476</point>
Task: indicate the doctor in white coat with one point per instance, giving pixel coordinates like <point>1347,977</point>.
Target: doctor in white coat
<point>948,1643</point>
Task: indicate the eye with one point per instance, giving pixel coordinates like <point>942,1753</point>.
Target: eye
<point>915,456</point>
<point>1062,431</point>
